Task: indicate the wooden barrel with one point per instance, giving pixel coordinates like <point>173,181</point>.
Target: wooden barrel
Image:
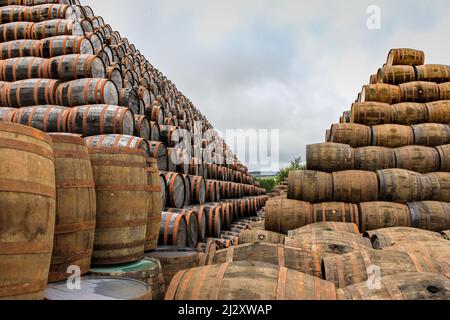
<point>115,75</point>
<point>444,91</point>
<point>142,127</point>
<point>198,190</point>
<point>354,268</point>
<point>437,73</point>
<point>326,226</point>
<point>75,66</point>
<point>28,200</point>
<point>176,190</point>
<point>374,158</point>
<point>45,118</point>
<point>405,56</point>
<point>438,112</point>
<point>446,234</point>
<point>260,236</point>
<point>31,92</point>
<point>94,120</point>
<point>378,215</point>
<point>155,204</point>
<point>164,195</point>
<point>405,286</point>
<point>154,131</point>
<point>24,68</point>
<point>388,237</point>
<point>7,114</point>
<point>213,214</point>
<point>409,113</point>
<point>444,154</point>
<point>100,288</point>
<point>431,134</point>
<point>120,177</point>
<point>76,207</point>
<point>283,215</point>
<point>15,31</point>
<point>401,186</point>
<point>371,113</point>
<point>227,218</point>
<point>158,151</point>
<point>210,191</point>
<point>192,225</point>
<point>11,13</point>
<point>310,186</point>
<point>20,48</point>
<point>328,243</point>
<point>417,158</point>
<point>430,215</point>
<point>329,157</point>
<point>57,27</point>
<point>392,136</point>
<point>355,186</point>
<point>61,45</point>
<point>87,91</point>
<point>335,212</point>
<point>129,98</point>
<point>202,222</point>
<point>419,91</point>
<point>187,190</point>
<point>439,250</point>
<point>380,92</point>
<point>173,260</point>
<point>155,113</point>
<point>224,282</point>
<point>397,74</point>
<point>173,230</point>
<point>440,182</point>
<point>118,141</point>
<point>355,135</point>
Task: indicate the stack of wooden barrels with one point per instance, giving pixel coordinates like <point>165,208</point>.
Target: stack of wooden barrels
<point>106,142</point>
<point>279,190</point>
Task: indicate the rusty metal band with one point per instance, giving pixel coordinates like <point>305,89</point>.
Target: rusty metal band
<point>281,284</point>
<point>27,131</point>
<point>116,150</point>
<point>280,254</point>
<point>220,275</point>
<point>17,248</point>
<point>22,288</point>
<point>185,283</point>
<point>155,219</point>
<point>26,147</point>
<point>72,155</point>
<point>60,259</point>
<point>119,246</point>
<point>173,287</point>
<point>120,188</point>
<point>67,139</point>
<point>121,224</point>
<point>154,188</point>
<point>116,163</point>
<point>73,184</point>
<point>8,185</point>
<point>75,227</point>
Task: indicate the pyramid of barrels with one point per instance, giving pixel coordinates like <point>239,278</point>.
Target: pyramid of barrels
<point>107,169</point>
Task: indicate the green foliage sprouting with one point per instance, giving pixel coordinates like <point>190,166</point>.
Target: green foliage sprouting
<point>269,183</point>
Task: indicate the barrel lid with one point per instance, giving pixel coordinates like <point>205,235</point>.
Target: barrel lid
<point>142,265</point>
<point>25,130</point>
<point>98,288</point>
<point>170,251</point>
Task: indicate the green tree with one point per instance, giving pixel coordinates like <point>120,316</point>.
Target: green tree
<point>296,164</point>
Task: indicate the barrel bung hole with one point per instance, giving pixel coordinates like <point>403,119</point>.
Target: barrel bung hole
<point>433,289</point>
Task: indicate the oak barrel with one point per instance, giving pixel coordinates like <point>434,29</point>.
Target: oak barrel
<point>392,136</point>
<point>380,92</point>
<point>7,114</point>
<point>397,74</point>
<point>335,212</point>
<point>326,226</point>
<point>118,141</point>
<point>20,48</point>
<point>430,215</point>
<point>355,186</point>
<point>371,113</point>
<point>176,190</point>
<point>24,68</point>
<point>374,158</point>
<point>409,113</point>
<point>155,204</point>
<point>31,92</point>
<point>75,66</point>
<point>282,215</point>
<point>418,158</point>
<point>378,215</point>
<point>355,135</point>
<point>213,213</point>
<point>419,91</point>
<point>405,56</point>
<point>401,186</point>
<point>159,152</point>
<point>389,237</point>
<point>173,230</point>
<point>46,118</point>
<point>439,112</point>
<point>329,157</point>
<point>439,250</point>
<point>260,236</point>
<point>142,127</point>
<point>440,182</point>
<point>431,134</point>
<point>438,73</point>
<point>198,190</point>
<point>310,186</point>
<point>87,91</point>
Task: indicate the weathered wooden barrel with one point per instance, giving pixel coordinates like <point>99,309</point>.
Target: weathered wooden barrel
<point>43,12</point>
<point>227,218</point>
<point>198,190</point>
<point>329,157</point>
<point>173,230</point>
<point>113,73</point>
<point>260,236</point>
<point>57,27</point>
<point>438,112</point>
<point>380,92</point>
<point>401,186</point>
<point>118,141</point>
<point>16,31</point>
<point>142,127</point>
<point>62,45</point>
<point>378,215</point>
<point>419,91</point>
<point>283,215</point>
<point>120,177</point>
<point>409,113</point>
<point>147,270</point>
<point>310,186</point>
<point>397,74</point>
<point>158,151</point>
<point>417,158</point>
<point>130,99</point>
<point>444,91</point>
<point>444,154</point>
<point>86,92</point>
<point>76,207</point>
<point>430,215</point>
<point>7,114</point>
<point>155,204</point>
<point>211,191</point>
<point>335,212</point>
<point>355,186</point>
<point>392,136</point>
<point>357,267</point>
<point>355,135</point>
<point>405,56</point>
<point>154,131</point>
<point>439,250</point>
<point>172,159</point>
<point>28,200</point>
<point>173,260</point>
<point>155,113</point>
<point>164,195</point>
<point>405,286</point>
<point>440,182</point>
<point>388,237</point>
<point>75,66</point>
<point>91,120</point>
<point>374,158</point>
<point>31,92</point>
<point>213,213</point>
<point>437,73</point>
<point>192,226</point>
<point>100,288</point>
<point>202,222</point>
<point>224,282</point>
<point>371,113</point>
<point>326,226</point>
<point>45,118</point>
<point>20,48</point>
<point>431,134</point>
<point>176,190</point>
<point>24,68</point>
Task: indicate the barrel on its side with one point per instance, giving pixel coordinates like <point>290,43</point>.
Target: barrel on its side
<point>378,215</point>
<point>310,186</point>
<point>329,157</point>
<point>283,215</point>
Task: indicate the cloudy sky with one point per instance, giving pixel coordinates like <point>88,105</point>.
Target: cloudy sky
<point>291,65</point>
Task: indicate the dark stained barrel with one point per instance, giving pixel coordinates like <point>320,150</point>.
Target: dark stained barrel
<point>392,136</point>
<point>187,190</point>
<point>355,135</point>
<point>335,212</point>
<point>401,186</point>
<point>419,91</point>
<point>7,114</point>
<point>155,133</point>
<point>417,158</point>
<point>44,118</point>
<point>176,191</point>
<point>31,92</point>
<point>378,215</point>
<point>213,214</point>
<point>283,215</point>
<point>355,186</point>
<point>374,158</point>
<point>94,120</point>
<point>119,141</point>
<point>20,48</point>
<point>431,134</point>
<point>16,31</point>
<point>63,45</point>
<point>113,73</point>
<point>24,68</point>
<point>87,91</point>
<point>430,215</point>
<point>164,195</point>
<point>57,27</point>
<point>384,93</point>
<point>142,127</point>
<point>76,66</point>
<point>198,190</point>
<point>159,152</point>
<point>440,182</point>
<point>130,99</point>
<point>155,113</point>
<point>191,225</point>
<point>210,191</point>
<point>155,204</point>
<point>173,230</point>
<point>329,157</point>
